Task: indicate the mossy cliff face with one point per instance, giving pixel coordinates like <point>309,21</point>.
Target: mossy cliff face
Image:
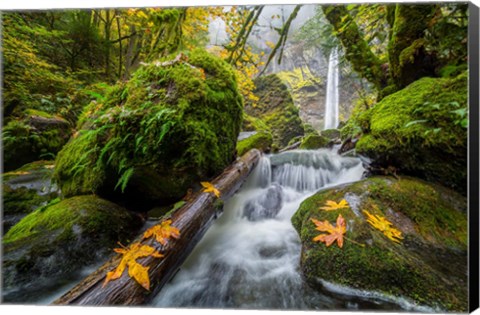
<point>275,107</point>
<point>152,137</point>
<point>428,266</point>
<point>33,137</point>
<point>56,240</point>
<point>418,131</point>
<point>26,189</point>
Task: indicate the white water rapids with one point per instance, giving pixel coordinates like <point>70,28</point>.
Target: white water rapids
<point>250,257</point>
<point>331,118</point>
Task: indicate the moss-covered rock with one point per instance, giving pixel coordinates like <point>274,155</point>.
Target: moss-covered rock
<point>313,142</point>
<point>36,136</point>
<point>261,140</point>
<point>26,189</point>
<point>276,108</point>
<point>428,267</point>
<point>152,137</point>
<point>331,134</point>
<point>419,131</point>
<point>54,241</point>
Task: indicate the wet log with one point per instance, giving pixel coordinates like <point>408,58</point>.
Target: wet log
<point>192,219</point>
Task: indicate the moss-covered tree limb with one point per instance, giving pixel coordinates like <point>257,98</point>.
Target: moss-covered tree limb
<point>357,50</point>
<point>283,38</point>
<point>407,57</point>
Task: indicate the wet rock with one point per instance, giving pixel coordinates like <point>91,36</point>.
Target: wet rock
<point>428,266</point>
<point>26,189</point>
<point>55,242</point>
<point>34,137</point>
<point>266,206</point>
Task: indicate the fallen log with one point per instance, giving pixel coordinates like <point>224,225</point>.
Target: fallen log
<point>193,219</point>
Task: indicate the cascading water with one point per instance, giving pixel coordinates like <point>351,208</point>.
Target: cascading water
<point>331,104</point>
<point>250,257</point>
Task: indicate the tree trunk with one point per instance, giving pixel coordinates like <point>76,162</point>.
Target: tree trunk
<point>357,50</point>
<point>406,53</point>
<point>193,220</point>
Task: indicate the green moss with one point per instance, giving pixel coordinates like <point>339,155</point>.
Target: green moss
<point>261,140</point>
<point>276,109</point>
<point>251,123</point>
<point>417,131</point>
<point>331,134</point>
<point>24,142</point>
<point>434,226</point>
<point>178,123</point>
<point>450,71</point>
<point>313,142</point>
<point>21,200</point>
<point>91,213</point>
<point>406,40</point>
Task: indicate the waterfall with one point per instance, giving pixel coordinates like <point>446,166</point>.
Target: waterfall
<point>331,103</point>
<point>250,257</point>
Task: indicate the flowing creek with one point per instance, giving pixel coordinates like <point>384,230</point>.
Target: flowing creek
<point>250,257</point>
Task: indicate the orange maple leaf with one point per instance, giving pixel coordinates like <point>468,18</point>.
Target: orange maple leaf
<point>210,188</point>
<point>331,205</point>
<point>135,270</point>
<point>162,232</point>
<point>335,233</point>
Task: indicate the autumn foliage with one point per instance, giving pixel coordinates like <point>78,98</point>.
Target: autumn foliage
<point>335,233</point>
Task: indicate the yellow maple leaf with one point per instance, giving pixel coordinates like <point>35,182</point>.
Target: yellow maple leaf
<point>335,233</point>
<point>135,270</point>
<point>384,226</point>
<point>162,232</point>
<point>210,188</point>
<point>331,205</point>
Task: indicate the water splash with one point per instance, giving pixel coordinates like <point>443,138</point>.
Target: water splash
<point>250,257</point>
<point>331,104</point>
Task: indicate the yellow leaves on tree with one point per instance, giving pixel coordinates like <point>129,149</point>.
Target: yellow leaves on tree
<point>384,226</point>
<point>162,232</point>
<point>335,233</point>
<point>208,187</point>
<point>135,270</point>
<point>331,205</point>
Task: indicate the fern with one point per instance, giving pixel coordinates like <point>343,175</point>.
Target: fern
<point>123,181</point>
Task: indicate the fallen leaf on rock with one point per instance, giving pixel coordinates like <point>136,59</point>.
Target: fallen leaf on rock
<point>335,233</point>
<point>384,226</point>
<point>331,205</point>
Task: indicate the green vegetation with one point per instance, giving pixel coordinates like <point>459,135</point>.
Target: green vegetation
<point>261,140</point>
<point>313,142</point>
<point>370,261</point>
<point>420,130</point>
<point>177,123</point>
<point>276,109</point>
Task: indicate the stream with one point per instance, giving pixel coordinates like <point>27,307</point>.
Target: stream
<point>249,258</point>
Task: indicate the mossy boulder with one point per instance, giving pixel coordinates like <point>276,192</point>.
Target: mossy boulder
<point>313,142</point>
<point>331,134</point>
<point>261,140</point>
<point>55,241</point>
<point>36,136</point>
<point>155,135</point>
<point>26,189</point>
<point>428,266</point>
<point>421,131</point>
<point>276,109</point>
